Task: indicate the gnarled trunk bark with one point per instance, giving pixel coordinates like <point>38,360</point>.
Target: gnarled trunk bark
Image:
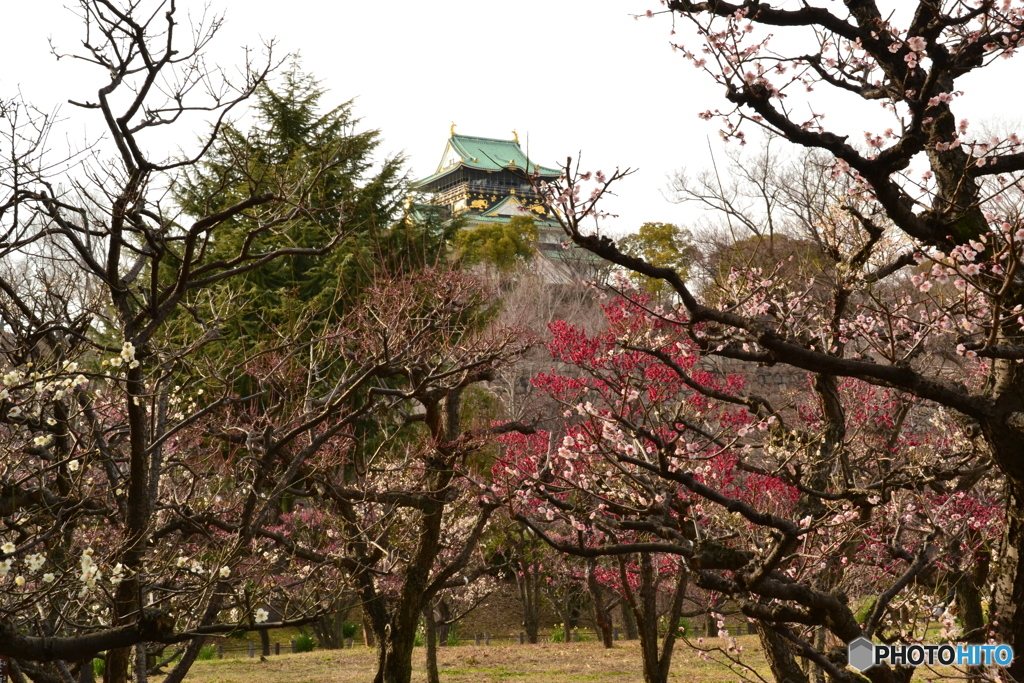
<point>779,653</point>
<point>394,658</point>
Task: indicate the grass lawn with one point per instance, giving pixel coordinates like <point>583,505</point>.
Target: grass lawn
<point>541,663</point>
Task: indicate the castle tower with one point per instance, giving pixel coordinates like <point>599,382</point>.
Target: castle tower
<point>487,180</point>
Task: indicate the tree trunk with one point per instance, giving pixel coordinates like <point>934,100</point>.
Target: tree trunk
<point>329,630</point>
<point>140,665</point>
<point>430,637</point>
<point>602,618</point>
<point>63,671</point>
<point>645,609</point>
<point>367,633</point>
<point>1008,586</point>
<point>968,593</point>
<point>394,658</point>
<point>17,676</point>
<point>629,622</point>
<point>138,517</point>
<point>86,674</point>
<point>829,461</point>
<point>395,626</point>
<point>528,582</point>
<point>819,644</point>
<point>265,642</point>
<point>568,610</point>
<point>115,669</point>
<point>195,646</point>
<point>444,622</point>
<point>779,653</point>
<point>399,633</point>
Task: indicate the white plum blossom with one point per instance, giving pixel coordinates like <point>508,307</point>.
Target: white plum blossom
<point>35,562</point>
<point>128,355</point>
<point>117,575</point>
<point>261,615</point>
<point>90,571</point>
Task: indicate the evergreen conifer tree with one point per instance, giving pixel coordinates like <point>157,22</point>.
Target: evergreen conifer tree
<point>357,216</point>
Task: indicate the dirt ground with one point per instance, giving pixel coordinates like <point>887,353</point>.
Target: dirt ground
<point>541,663</point>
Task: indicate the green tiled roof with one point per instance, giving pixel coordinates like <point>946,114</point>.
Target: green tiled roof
<point>423,212</point>
<point>489,154</point>
<point>538,220</point>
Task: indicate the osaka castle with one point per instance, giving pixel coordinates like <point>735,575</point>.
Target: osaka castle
<point>486,180</point>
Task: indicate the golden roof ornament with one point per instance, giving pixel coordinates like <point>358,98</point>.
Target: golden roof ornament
<point>515,135</point>
<point>451,131</point>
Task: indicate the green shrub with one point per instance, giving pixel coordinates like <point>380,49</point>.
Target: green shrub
<point>208,652</point>
<point>349,629</point>
<point>418,639</point>
<point>304,643</point>
<point>558,634</point>
<point>98,665</point>
<point>453,635</point>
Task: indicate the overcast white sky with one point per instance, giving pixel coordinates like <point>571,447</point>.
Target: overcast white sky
<point>570,75</point>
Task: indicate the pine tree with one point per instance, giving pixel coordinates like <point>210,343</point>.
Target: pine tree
<point>357,220</point>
